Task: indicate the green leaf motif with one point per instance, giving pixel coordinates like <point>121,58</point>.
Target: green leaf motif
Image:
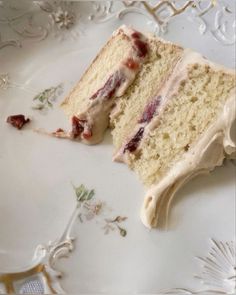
<point>47,97</point>
<point>83,194</point>
<point>123,231</point>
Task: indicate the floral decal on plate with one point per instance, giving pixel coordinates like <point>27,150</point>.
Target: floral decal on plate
<point>41,276</point>
<point>218,273</point>
<point>47,97</point>
<point>91,208</point>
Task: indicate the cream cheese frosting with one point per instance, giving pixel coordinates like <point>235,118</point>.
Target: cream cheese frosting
<point>215,144</point>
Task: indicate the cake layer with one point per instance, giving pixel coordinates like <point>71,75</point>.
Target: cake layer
<point>184,130</point>
<point>191,106</point>
<point>109,76</point>
<point>162,59</point>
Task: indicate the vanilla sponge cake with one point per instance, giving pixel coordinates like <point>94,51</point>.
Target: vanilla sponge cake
<point>127,64</point>
<point>108,77</point>
<point>161,61</point>
<point>170,111</point>
<point>183,131</point>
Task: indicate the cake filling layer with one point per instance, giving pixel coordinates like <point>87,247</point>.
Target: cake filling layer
<point>141,99</point>
<point>91,118</point>
<point>148,114</point>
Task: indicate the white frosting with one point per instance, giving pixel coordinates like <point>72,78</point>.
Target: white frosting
<point>210,150</point>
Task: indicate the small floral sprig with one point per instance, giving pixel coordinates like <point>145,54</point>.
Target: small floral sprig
<point>47,97</point>
<point>83,194</point>
<point>110,222</point>
<point>91,208</point>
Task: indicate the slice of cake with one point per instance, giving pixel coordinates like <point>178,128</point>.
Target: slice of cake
<point>130,63</point>
<point>170,111</point>
<point>183,131</point>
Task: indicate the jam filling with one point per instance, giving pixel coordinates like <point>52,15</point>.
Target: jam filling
<point>132,145</point>
<point>110,87</point>
<point>140,46</point>
<point>116,79</point>
<point>131,64</point>
<point>148,114</point>
<point>17,121</point>
<point>80,127</point>
<point>150,110</point>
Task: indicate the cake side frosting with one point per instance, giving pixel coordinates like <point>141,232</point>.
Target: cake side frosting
<point>210,150</point>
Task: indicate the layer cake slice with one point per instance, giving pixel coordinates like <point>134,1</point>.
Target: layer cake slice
<point>170,111</point>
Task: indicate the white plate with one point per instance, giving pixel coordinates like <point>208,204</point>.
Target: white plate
<point>38,172</point>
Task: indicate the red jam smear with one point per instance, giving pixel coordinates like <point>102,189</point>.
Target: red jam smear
<point>150,110</point>
<point>131,64</point>
<point>136,35</point>
<point>80,127</point>
<point>132,145</point>
<point>147,116</point>
<point>59,130</point>
<point>140,46</point>
<point>17,121</point>
<point>110,87</point>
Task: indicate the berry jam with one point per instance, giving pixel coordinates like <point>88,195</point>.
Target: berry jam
<point>136,35</point>
<point>132,145</point>
<point>141,47</point>
<point>131,64</point>
<point>77,127</point>
<point>150,110</point>
<point>80,127</point>
<point>110,87</point>
<point>17,121</point>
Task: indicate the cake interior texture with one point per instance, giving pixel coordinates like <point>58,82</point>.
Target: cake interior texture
<point>193,107</point>
<point>108,59</point>
<point>161,61</point>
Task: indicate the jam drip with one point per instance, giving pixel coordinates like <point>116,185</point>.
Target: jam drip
<point>140,46</point>
<point>110,87</point>
<point>80,127</point>
<point>132,145</point>
<point>148,114</point>
<point>17,121</point>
